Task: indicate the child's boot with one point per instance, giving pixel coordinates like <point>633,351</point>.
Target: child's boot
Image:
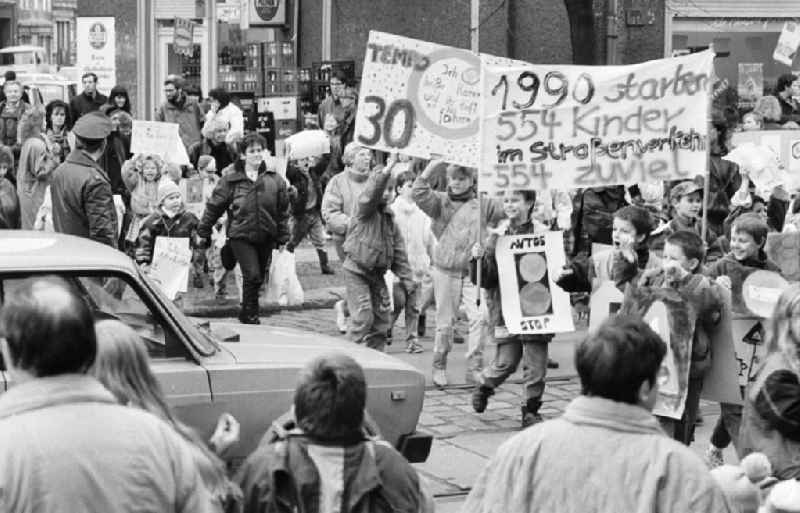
<point>530,413</point>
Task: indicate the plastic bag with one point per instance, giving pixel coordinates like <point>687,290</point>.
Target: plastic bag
<point>284,287</point>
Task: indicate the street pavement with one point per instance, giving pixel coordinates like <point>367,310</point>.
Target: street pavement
<point>463,439</point>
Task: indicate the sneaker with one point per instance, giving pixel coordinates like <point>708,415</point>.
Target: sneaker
<point>714,457</point>
<point>552,364</point>
<point>439,378</point>
<point>341,320</point>
<point>480,398</point>
<point>414,348</point>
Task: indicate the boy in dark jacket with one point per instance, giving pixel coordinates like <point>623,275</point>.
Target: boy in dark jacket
<point>170,220</point>
<point>304,176</point>
<point>373,246</point>
<point>511,349</point>
<point>703,301</point>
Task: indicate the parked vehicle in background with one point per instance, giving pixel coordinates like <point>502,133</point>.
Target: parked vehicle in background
<point>51,87</point>
<point>22,59</point>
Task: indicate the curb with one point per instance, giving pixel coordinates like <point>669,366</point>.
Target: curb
<point>314,299</point>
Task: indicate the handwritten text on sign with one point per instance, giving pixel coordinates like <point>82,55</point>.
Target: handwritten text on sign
<point>531,301</point>
<point>563,127</point>
<point>420,98</point>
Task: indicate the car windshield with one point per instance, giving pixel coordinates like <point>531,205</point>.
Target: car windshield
<point>51,92</point>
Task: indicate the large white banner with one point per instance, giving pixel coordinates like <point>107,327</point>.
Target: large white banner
<point>527,265</point>
<point>159,138</point>
<point>421,99</point>
<point>566,127</point>
<point>96,50</point>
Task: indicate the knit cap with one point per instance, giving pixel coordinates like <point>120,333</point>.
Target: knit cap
<point>165,188</point>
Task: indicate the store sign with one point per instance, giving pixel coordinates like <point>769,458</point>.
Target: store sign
<point>266,13</point>
<point>96,50</point>
<point>183,38</point>
<point>229,12</point>
<point>568,127</point>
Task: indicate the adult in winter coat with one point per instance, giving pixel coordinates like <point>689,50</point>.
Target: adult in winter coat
<point>607,451</point>
<point>213,144</point>
<point>771,419</point>
<point>223,110</point>
<point>257,203</point>
<point>118,99</point>
<point>89,100</point>
<point>182,110</point>
<point>11,111</point>
<point>35,168</point>
<point>57,127</point>
<point>80,189</point>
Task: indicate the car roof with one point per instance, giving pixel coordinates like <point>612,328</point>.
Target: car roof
<point>22,48</point>
<point>36,251</point>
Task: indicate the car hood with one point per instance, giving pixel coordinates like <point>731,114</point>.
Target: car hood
<point>291,347</point>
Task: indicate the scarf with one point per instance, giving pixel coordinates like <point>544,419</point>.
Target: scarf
<point>464,196</point>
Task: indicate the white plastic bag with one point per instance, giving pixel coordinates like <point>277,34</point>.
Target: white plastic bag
<point>284,287</point>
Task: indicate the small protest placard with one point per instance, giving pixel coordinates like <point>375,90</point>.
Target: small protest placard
<point>192,192</point>
<point>721,382</point>
<point>606,300</point>
<point>568,127</point>
<point>531,301</point>
<point>170,265</point>
<point>159,138</point>
<point>307,143</point>
<point>751,83</point>
<point>749,346</point>
<point>788,42</point>
<point>784,250</point>
<point>673,377</point>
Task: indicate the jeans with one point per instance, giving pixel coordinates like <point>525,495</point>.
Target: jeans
<point>370,308</point>
<point>682,429</point>
<point>309,223</point>
<point>404,300</point>
<point>254,260</point>
<point>532,352</point>
<point>451,292</point>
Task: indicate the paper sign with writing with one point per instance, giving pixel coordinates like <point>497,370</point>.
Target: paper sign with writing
<point>673,376</point>
<point>419,98</point>
<point>721,382</point>
<point>787,43</point>
<point>159,138</point>
<point>784,143</point>
<point>606,300</point>
<point>751,83</point>
<point>749,346</point>
<point>170,266</point>
<point>531,301</point>
<point>192,190</point>
<point>567,127</point>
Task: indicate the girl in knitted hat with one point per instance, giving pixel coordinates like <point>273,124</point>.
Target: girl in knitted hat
<point>141,175</point>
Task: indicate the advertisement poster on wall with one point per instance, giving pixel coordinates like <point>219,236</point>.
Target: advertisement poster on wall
<point>96,50</point>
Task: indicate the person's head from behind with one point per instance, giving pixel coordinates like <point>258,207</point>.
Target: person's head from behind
<point>748,236</point>
<point>330,397</point>
<point>518,205</point>
<point>784,85</point>
<point>89,81</point>
<point>459,179</point>
<point>13,91</point>
<point>9,75</point>
<point>620,361</point>
<point>404,186</point>
<point>251,149</point>
<point>752,121</point>
<point>6,160</point>
<point>768,108</point>
<point>46,329</point>
<point>172,87</point>
<point>684,252</point>
<point>631,227</point>
<point>220,98</point>
<point>357,157</point>
<point>31,123</point>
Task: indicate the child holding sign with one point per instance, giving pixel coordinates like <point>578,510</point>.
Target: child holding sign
<point>170,220</point>
<point>518,207</point>
<point>141,175</point>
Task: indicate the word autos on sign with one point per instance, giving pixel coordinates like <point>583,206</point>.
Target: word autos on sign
<point>419,98</point>
<point>565,127</point>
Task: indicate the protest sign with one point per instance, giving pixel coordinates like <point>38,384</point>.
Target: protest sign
<point>721,382</point>
<point>419,98</point>
<point>785,144</point>
<point>787,43</point>
<point>307,143</point>
<point>183,37</point>
<point>673,376</point>
<point>751,83</point>
<point>192,192</point>
<point>567,127</point>
<point>749,346</point>
<point>159,138</point>
<point>170,265</point>
<point>606,300</point>
<point>784,250</point>
<point>531,301</point>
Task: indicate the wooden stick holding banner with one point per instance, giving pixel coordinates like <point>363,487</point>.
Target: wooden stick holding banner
<point>479,266</point>
<point>707,176</point>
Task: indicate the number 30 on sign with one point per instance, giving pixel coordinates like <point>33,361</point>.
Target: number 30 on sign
<point>385,122</point>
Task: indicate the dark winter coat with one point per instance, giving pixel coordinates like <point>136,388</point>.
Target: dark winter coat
<point>724,181</point>
<point>9,205</point>
<point>374,243</point>
<point>116,153</point>
<point>257,211</point>
<point>221,154</point>
<point>593,218</point>
<point>9,125</point>
<point>83,202</point>
<point>299,180</point>
<point>159,224</point>
<point>83,104</point>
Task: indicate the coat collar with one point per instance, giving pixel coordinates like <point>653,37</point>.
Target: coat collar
<point>42,393</point>
<point>617,416</point>
<point>81,158</point>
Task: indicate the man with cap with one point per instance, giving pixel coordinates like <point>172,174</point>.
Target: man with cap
<point>81,191</point>
<point>182,110</point>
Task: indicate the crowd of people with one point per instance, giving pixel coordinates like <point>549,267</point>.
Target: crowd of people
<point>407,232</point>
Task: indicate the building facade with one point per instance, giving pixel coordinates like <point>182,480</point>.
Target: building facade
<point>64,12</point>
<point>35,24</point>
<point>8,22</point>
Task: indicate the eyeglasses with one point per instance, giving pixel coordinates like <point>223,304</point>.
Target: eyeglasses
<point>337,84</point>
